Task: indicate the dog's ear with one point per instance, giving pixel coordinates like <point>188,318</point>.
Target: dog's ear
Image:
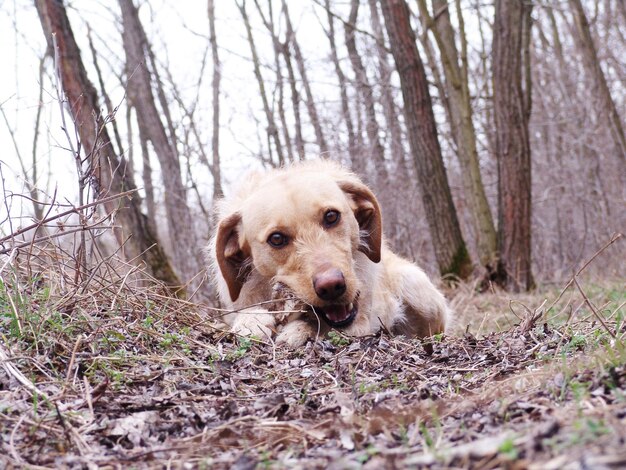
<point>367,212</point>
<point>232,257</point>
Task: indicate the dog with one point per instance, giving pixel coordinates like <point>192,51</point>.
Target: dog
<point>299,250</point>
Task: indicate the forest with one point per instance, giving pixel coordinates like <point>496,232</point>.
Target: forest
<point>492,133</point>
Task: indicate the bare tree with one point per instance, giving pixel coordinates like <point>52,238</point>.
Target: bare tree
<point>594,70</point>
<point>390,109</point>
<point>268,21</point>
<point>450,249</point>
<point>310,99</point>
<point>31,180</point>
<point>111,110</point>
<point>108,169</point>
<point>272,127</point>
<point>455,69</point>
<point>366,94</point>
<point>191,131</point>
<point>355,158</point>
<point>140,81</point>
<point>295,99</point>
<point>146,174</point>
<point>215,86</point>
<point>512,113</point>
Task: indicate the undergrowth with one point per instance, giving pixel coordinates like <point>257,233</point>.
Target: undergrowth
<point>106,370</point>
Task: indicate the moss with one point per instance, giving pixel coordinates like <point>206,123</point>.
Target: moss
<point>461,264</point>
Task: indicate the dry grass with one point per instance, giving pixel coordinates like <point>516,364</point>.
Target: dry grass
<point>103,369</point>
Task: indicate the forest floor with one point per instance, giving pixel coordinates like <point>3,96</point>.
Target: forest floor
<point>98,374</point>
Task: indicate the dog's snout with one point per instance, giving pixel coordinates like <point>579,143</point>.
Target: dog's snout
<point>329,284</point>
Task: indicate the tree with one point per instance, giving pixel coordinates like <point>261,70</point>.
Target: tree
<point>450,250</point>
<point>215,86</point>
<point>593,69</point>
<point>310,99</point>
<point>272,127</point>
<point>366,94</point>
<point>455,70</point>
<point>107,168</point>
<point>390,110</point>
<point>355,158</point>
<point>268,21</point>
<point>295,99</point>
<point>511,34</point>
<point>31,180</point>
<point>139,88</point>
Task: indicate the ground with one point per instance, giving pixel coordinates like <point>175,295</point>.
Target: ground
<point>96,373</point>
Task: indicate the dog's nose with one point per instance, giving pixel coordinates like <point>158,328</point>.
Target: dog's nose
<point>329,284</point>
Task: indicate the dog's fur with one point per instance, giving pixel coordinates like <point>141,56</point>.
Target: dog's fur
<point>383,289</point>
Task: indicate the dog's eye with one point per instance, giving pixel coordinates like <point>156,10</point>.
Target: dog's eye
<point>277,240</point>
<point>331,217</point>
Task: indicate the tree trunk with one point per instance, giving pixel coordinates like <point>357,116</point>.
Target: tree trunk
<point>511,113</point>
<point>180,223</point>
<point>310,99</point>
<point>399,172</point>
<point>146,173</point>
<point>272,128</point>
<point>621,5</point>
<point>485,119</point>
<point>281,102</point>
<point>366,92</point>
<point>215,86</point>
<point>37,208</point>
<point>110,170</point>
<point>111,110</point>
<point>277,46</point>
<point>355,157</point>
<point>450,250</point>
<point>459,100</point>
<point>592,66</point>
<point>433,64</point>
<point>390,110</point>
<point>295,100</point>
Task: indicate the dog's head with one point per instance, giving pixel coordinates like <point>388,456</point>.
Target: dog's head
<point>304,229</point>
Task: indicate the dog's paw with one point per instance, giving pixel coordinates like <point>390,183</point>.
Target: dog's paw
<point>254,323</point>
<point>296,333</point>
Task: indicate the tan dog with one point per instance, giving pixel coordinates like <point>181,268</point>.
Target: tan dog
<point>312,233</point>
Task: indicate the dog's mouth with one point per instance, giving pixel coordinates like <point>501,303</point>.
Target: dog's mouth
<point>339,315</point>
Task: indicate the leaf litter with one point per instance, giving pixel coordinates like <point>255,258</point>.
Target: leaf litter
<point>116,373</point>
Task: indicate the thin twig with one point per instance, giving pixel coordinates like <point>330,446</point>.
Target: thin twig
<point>614,238</point>
<point>73,210</point>
<point>593,309</point>
<point>56,235</point>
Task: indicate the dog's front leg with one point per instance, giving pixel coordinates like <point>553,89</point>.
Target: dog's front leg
<point>296,333</point>
<point>254,322</point>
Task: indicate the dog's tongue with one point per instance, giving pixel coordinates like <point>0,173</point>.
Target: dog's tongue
<point>337,313</point>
